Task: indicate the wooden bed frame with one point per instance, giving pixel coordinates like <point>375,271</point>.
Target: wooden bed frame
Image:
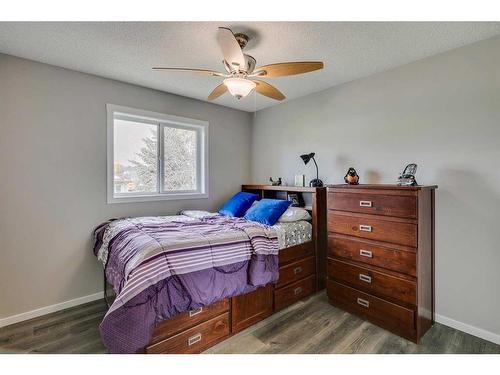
<point>302,272</point>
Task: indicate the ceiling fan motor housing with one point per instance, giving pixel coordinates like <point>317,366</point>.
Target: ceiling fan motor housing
<point>248,68</point>
<point>242,39</point>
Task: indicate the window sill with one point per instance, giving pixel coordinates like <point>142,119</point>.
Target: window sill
<point>156,197</point>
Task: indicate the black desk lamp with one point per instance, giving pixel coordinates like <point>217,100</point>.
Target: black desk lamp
<point>316,182</point>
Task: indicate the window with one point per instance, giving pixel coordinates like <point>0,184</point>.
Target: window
<point>152,156</point>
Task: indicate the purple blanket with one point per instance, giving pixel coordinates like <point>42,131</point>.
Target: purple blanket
<point>162,266</point>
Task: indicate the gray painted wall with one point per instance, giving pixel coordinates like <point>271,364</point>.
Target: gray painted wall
<point>443,113</point>
<point>53,175</point>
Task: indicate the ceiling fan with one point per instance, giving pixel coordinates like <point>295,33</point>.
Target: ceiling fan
<point>241,73</point>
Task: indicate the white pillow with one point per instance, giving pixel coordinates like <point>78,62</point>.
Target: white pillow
<point>294,214</point>
<point>198,214</point>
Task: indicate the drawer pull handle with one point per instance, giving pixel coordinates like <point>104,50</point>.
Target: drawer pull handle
<point>365,228</point>
<point>365,203</point>
<point>365,253</point>
<point>195,312</point>
<point>363,302</point>
<point>297,270</point>
<point>365,278</point>
<point>297,290</point>
<point>194,339</point>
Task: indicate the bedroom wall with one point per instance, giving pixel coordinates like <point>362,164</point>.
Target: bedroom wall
<point>53,175</point>
<point>442,113</point>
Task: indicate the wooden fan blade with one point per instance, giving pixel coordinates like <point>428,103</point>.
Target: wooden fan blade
<point>206,72</point>
<point>218,91</point>
<point>287,69</point>
<point>268,90</point>
<point>230,48</point>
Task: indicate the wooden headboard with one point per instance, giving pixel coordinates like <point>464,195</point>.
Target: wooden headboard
<point>315,203</point>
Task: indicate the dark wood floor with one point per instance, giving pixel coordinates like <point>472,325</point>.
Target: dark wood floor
<point>310,326</point>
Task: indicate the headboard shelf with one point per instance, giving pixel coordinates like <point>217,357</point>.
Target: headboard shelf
<point>291,189</point>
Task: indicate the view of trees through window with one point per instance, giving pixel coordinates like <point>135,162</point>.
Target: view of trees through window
<point>136,167</point>
<point>179,164</point>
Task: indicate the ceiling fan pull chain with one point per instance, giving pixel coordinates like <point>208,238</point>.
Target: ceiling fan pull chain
<point>254,104</point>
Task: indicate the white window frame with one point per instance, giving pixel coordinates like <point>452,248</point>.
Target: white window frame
<point>161,120</point>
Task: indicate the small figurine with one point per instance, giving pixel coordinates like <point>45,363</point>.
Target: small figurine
<point>275,183</point>
<point>351,177</point>
<point>407,178</point>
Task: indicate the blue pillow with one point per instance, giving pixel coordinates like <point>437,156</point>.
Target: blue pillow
<point>267,211</point>
<point>238,204</point>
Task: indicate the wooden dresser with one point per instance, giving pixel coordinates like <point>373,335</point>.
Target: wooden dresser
<point>380,257</point>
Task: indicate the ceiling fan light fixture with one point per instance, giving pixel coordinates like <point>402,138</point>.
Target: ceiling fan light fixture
<point>239,87</point>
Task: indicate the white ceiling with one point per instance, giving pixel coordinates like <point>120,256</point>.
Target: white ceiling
<point>127,51</point>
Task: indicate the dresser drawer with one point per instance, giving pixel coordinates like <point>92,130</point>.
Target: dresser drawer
<point>367,252</point>
<point>183,321</point>
<point>377,310</point>
<point>296,252</point>
<point>294,292</point>
<point>296,271</point>
<point>195,339</point>
<point>373,227</point>
<point>378,283</point>
<point>389,205</point>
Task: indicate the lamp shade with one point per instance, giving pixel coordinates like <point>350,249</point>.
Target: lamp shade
<point>307,157</point>
<point>239,87</point>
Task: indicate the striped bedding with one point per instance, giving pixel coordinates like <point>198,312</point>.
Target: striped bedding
<point>142,254</point>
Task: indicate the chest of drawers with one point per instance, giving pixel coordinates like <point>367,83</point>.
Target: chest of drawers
<point>380,262</point>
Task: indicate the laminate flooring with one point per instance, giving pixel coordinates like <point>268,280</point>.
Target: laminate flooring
<point>309,326</point>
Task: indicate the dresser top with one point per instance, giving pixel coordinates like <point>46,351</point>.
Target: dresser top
<point>382,186</point>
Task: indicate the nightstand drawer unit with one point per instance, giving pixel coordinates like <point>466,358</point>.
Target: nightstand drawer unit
<point>380,255</point>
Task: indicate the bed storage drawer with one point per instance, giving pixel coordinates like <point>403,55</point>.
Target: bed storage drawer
<point>294,292</point>
<point>395,258</point>
<point>195,339</point>
<point>378,283</point>
<point>376,310</point>
<point>296,271</point>
<point>250,308</point>
<point>183,321</point>
<point>373,227</point>
<point>379,204</point>
<point>296,252</point>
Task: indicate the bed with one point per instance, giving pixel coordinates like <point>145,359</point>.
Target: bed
<point>171,272</point>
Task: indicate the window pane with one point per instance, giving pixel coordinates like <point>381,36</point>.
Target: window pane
<point>135,157</point>
<point>179,159</point>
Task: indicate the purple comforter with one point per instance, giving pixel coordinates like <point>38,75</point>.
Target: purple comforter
<point>162,266</point>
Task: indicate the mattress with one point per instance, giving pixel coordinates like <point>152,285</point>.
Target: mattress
<point>289,234</point>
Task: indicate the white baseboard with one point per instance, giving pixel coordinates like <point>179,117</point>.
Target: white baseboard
<point>49,309</point>
<point>478,332</point>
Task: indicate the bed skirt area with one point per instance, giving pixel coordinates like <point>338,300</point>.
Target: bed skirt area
<point>130,328</point>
